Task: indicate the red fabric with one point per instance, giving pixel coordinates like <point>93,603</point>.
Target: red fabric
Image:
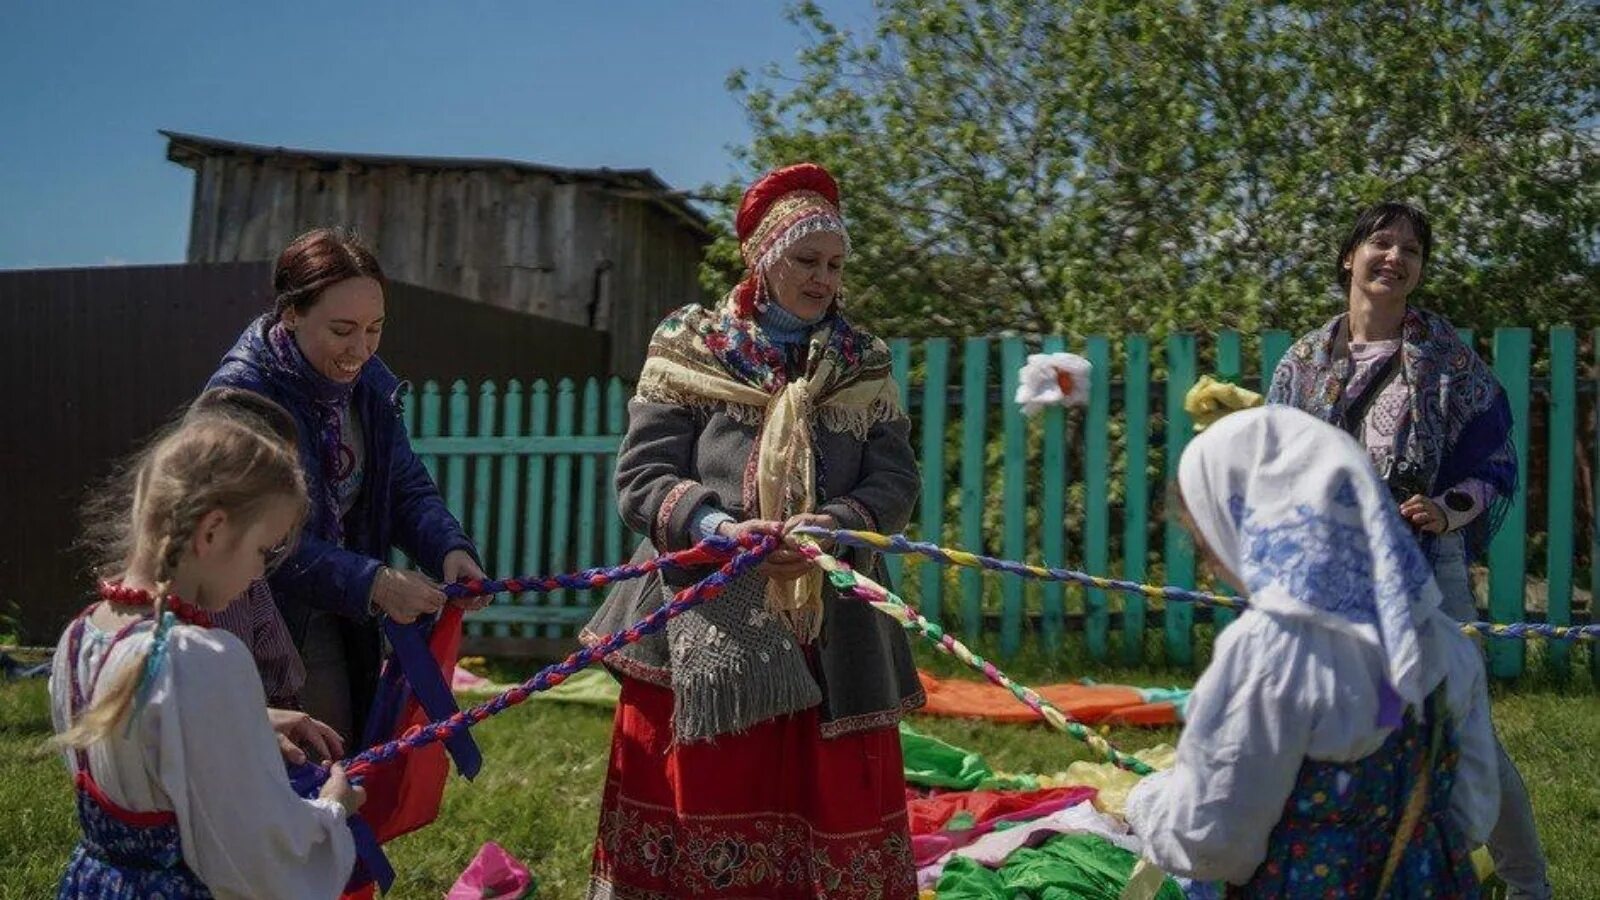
<point>403,794</point>
<point>1087,703</point>
<point>150,819</point>
<point>927,848</point>
<point>775,812</point>
<point>931,814</point>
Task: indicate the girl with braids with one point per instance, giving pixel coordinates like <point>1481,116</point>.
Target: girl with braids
<point>314,353</point>
<point>181,789</point>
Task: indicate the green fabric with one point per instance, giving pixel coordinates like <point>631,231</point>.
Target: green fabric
<point>933,763</point>
<point>961,821</point>
<point>1067,867</point>
<point>930,762</point>
<point>1174,695</point>
<point>964,879</point>
<point>593,686</point>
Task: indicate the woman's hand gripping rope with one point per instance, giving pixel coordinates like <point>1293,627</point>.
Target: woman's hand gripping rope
<point>736,559</point>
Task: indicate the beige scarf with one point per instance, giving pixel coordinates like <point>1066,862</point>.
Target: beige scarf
<point>844,390</point>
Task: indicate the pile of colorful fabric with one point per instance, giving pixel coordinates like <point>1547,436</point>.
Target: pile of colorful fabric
<point>979,834</point>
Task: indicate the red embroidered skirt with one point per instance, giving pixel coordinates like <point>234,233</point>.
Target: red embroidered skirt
<point>775,813</point>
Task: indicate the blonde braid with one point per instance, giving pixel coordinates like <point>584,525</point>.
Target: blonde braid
<point>110,707</point>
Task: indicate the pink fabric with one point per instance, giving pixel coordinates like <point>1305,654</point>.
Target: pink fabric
<point>462,680</point>
<point>492,873</point>
<point>927,848</point>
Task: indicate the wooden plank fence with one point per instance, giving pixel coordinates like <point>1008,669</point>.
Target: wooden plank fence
<point>529,473</point>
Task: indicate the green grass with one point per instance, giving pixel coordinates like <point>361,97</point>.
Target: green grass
<point>544,764</point>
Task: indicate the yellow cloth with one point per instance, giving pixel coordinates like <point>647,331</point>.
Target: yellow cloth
<point>1482,863</point>
<point>1210,400</point>
<point>1110,783</point>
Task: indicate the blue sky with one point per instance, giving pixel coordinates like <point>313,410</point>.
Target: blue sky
<point>629,83</point>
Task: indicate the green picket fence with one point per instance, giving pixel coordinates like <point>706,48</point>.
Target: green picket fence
<point>528,469</point>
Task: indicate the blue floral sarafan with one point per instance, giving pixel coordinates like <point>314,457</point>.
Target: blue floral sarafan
<point>1341,818</point>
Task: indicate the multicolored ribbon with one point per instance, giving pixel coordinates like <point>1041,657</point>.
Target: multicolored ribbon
<point>743,560</point>
<point>711,551</point>
<point>900,544</point>
<point>853,583</point>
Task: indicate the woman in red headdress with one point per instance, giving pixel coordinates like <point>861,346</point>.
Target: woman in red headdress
<point>755,751</point>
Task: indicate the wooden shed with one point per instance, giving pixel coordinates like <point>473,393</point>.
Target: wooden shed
<point>608,249</point>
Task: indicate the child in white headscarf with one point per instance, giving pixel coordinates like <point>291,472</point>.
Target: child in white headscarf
<point>1339,742</point>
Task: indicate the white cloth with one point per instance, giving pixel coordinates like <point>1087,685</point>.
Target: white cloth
<point>202,748</point>
<point>1340,621</point>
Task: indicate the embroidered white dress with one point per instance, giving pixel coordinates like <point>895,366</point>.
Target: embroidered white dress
<point>203,749</point>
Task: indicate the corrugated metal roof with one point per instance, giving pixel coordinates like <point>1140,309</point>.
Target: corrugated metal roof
<point>188,149</point>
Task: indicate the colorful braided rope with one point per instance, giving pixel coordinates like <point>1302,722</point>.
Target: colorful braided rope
<point>853,583</point>
<point>708,552</point>
<point>741,561</point>
<point>899,543</point>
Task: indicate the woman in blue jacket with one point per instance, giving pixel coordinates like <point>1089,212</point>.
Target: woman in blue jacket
<point>315,353</point>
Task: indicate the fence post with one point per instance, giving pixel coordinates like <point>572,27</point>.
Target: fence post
<point>506,541</point>
<point>1594,528</point>
<point>934,402</point>
<point>616,424</point>
<point>1013,494</point>
<point>974,428</point>
<point>561,496</point>
<point>1274,344</point>
<point>1563,438</point>
<point>455,465</point>
<point>1230,367</point>
<point>900,369</point>
<point>1053,514</point>
<point>1136,499</point>
<point>408,418</point>
<point>1179,550</point>
<point>483,468</point>
<point>1097,494</point>
<point>432,426</point>
<point>1508,551</point>
<point>536,511</point>
<point>588,489</point>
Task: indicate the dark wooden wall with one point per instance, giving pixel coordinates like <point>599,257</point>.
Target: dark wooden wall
<point>574,251</point>
<point>93,360</point>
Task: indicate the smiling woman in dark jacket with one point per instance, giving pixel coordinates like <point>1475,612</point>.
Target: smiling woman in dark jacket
<point>315,354</point>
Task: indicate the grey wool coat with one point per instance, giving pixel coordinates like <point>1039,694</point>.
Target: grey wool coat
<point>676,457</point>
